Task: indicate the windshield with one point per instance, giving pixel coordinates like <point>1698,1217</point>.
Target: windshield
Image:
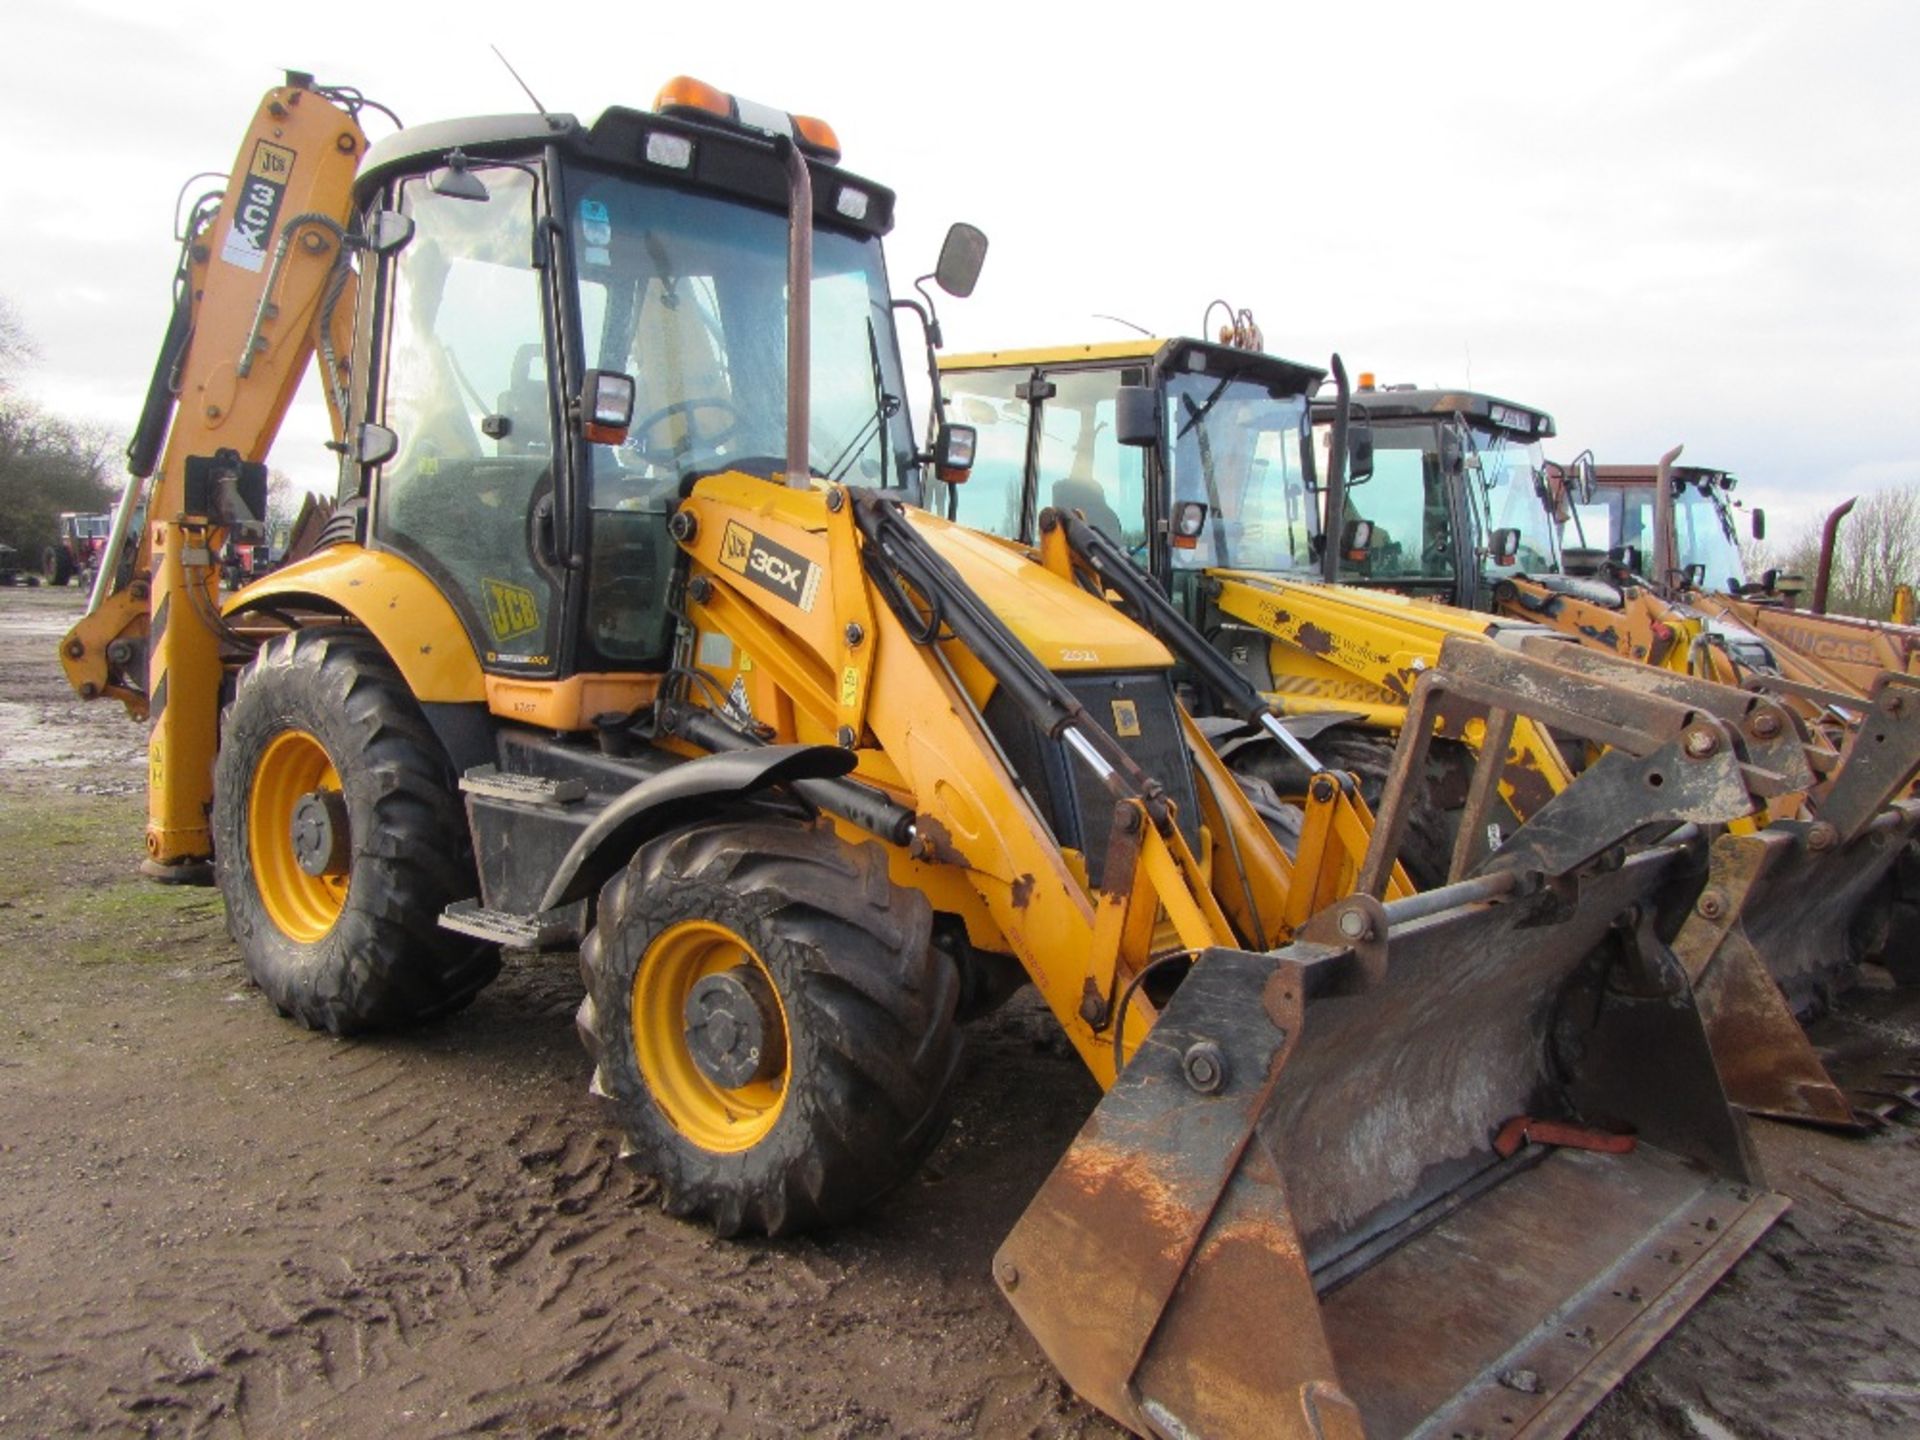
<point>1239,450</point>
<point>1704,535</point>
<point>687,293</point>
<point>1507,496</point>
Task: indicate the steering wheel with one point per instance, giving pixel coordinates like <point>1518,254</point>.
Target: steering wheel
<point>668,456</point>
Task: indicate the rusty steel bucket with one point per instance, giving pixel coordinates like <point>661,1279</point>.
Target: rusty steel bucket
<point>1307,1209</point>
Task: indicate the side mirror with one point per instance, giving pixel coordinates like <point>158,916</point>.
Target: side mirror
<point>961,257</point>
<point>1626,558</point>
<point>606,406</point>
<point>1582,477</point>
<point>953,451</point>
<point>1504,546</point>
<point>390,232</point>
<point>1136,415</point>
<point>1759,524</point>
<point>374,444</point>
<point>457,182</point>
<point>1696,576</point>
<point>1359,449</point>
<point>1189,523</point>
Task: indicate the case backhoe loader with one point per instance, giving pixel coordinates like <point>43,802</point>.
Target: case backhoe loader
<point>1200,462</point>
<point>626,636</point>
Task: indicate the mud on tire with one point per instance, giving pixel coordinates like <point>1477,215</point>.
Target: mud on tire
<point>865,1006</point>
<point>382,962</point>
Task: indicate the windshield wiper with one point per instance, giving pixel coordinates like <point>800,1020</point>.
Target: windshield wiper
<point>885,408</point>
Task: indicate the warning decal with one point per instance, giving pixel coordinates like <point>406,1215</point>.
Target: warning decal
<point>257,207</point>
<point>790,576</point>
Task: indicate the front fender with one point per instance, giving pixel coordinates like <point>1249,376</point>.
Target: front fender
<point>674,798</point>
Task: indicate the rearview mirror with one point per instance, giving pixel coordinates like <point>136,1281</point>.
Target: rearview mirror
<point>961,257</point>
<point>1581,477</point>
<point>457,182</point>
<point>1136,415</point>
<point>1504,545</point>
<point>1359,449</point>
<point>390,232</point>
<point>1759,524</point>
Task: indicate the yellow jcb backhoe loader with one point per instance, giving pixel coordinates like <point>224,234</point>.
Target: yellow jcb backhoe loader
<point>806,774</point>
<point>1199,461</point>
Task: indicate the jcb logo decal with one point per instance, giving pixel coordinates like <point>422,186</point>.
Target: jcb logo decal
<point>773,567</point>
<point>1126,719</point>
<point>256,206</point>
<point>512,610</point>
<point>735,546</point>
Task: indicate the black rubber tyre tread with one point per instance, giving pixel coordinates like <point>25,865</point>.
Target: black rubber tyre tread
<point>873,1045</point>
<point>1427,848</point>
<point>386,963</point>
<point>56,565</point>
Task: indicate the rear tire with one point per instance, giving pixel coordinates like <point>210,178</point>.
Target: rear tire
<point>324,714</point>
<point>56,565</point>
<point>853,1041</point>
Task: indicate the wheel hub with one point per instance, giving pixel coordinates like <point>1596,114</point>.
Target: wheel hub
<point>319,833</point>
<point>733,1027</point>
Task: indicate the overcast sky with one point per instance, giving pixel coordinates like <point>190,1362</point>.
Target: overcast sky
<point>1662,223</point>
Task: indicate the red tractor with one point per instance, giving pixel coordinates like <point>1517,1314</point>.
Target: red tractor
<point>83,540</point>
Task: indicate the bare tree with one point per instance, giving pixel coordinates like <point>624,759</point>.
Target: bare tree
<point>1878,548</point>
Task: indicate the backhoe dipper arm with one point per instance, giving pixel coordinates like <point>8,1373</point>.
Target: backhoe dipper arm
<point>265,272</point>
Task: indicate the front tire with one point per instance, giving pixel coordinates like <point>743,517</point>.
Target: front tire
<point>339,838</point>
<point>770,1023</point>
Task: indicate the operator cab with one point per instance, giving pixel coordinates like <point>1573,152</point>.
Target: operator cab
<point>1191,456</point>
<point>1457,498</point>
<point>570,323</point>
<point>1620,518</point>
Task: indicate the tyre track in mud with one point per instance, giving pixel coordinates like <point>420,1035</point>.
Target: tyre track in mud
<point>216,1223</point>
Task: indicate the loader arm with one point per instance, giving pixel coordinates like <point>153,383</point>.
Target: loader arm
<point>265,277</point>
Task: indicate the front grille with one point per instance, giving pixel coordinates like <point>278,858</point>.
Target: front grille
<point>1076,804</point>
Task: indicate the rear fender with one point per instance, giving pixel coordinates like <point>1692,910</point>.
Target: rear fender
<point>392,600</point>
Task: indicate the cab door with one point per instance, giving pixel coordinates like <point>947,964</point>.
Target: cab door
<point>469,493</point>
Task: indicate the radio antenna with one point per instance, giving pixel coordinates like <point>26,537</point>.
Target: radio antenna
<point>516,75</point>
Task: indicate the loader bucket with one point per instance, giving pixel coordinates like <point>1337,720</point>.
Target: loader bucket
<point>1288,1218</point>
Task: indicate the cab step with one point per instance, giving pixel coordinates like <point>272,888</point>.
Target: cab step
<point>498,784</point>
<point>549,930</point>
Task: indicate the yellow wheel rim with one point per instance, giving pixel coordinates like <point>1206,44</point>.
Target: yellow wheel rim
<point>302,907</point>
<point>714,1117</point>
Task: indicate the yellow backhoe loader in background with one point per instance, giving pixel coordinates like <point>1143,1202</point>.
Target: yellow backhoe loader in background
<point>1200,462</point>
<point>626,635</point>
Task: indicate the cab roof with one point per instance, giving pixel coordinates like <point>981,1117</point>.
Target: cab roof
<point>1406,402</point>
<point>1163,355</point>
<point>1696,475</point>
<point>725,157</point>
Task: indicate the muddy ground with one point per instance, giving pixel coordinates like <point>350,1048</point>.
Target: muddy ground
<point>215,1223</point>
